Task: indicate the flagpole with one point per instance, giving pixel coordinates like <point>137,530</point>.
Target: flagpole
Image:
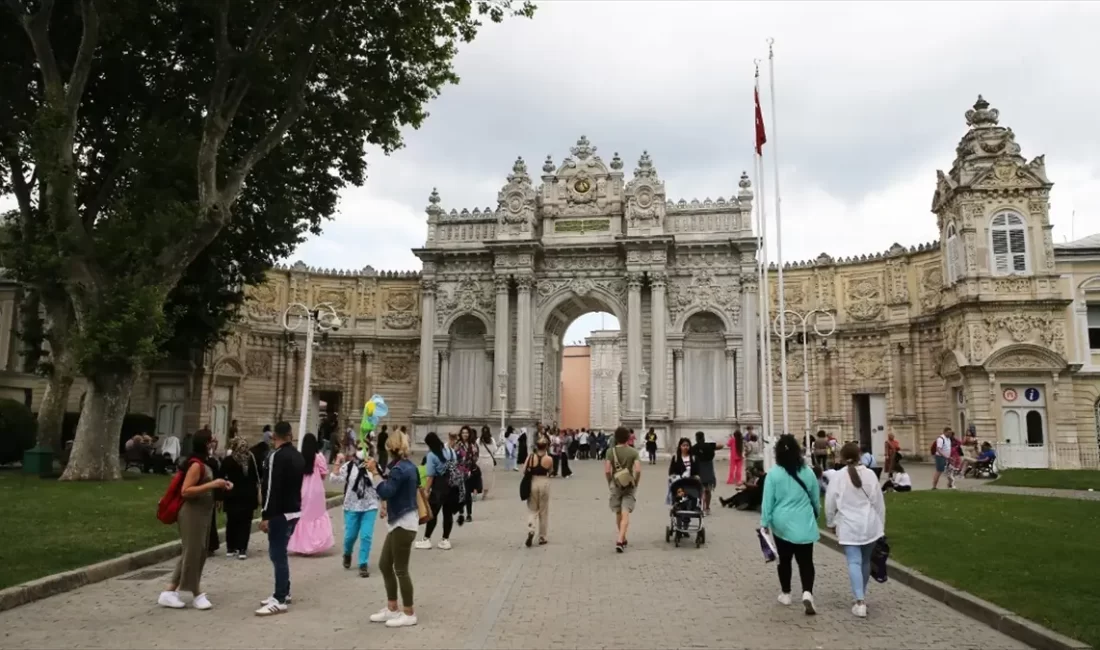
<point>779,241</point>
<point>767,420</point>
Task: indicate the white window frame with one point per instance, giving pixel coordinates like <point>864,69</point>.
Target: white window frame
<point>1010,228</point>
<point>1092,322</point>
<point>956,265</point>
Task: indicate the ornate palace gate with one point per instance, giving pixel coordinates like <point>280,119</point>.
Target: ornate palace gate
<point>500,286</point>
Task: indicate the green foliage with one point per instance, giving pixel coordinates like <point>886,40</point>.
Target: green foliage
<point>16,430</point>
<point>149,270</point>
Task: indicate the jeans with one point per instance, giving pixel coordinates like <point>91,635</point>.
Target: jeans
<point>803,554</point>
<point>859,568</point>
<point>361,525</point>
<point>394,565</point>
<point>279,530</point>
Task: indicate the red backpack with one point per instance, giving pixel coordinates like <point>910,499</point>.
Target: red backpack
<point>168,509</point>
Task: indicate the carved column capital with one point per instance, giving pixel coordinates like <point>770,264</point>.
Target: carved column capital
<point>634,281</point>
<point>446,354</point>
<point>428,286</point>
<point>678,354</point>
<point>501,283</point>
<point>749,284</point>
<point>658,280</point>
<point>525,283</point>
<point>731,353</point>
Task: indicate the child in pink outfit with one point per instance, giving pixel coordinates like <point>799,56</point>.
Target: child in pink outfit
<point>737,459</point>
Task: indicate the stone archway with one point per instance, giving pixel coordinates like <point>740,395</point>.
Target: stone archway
<point>587,239</point>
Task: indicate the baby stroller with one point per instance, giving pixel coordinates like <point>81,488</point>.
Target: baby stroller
<point>686,514</point>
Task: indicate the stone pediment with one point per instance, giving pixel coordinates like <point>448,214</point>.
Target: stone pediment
<point>1026,358</point>
<point>583,186</point>
<point>1008,173</point>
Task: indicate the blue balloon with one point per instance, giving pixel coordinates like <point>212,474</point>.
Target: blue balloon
<point>380,408</point>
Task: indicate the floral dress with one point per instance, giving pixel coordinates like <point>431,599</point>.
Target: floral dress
<point>467,464</point>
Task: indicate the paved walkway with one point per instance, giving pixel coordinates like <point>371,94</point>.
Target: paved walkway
<point>490,592</point>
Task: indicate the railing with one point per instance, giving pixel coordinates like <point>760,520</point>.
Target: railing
<point>1056,455</point>
<point>701,223</point>
<point>465,232</point>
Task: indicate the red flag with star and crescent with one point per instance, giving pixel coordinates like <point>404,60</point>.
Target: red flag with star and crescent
<point>761,138</point>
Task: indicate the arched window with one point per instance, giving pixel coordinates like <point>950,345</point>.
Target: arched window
<point>956,264</point>
<point>1034,421</point>
<point>1008,242</point>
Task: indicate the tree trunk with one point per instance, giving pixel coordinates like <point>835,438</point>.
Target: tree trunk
<point>95,455</point>
<point>51,413</point>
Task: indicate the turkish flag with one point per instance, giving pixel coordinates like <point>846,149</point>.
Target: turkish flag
<point>761,138</point>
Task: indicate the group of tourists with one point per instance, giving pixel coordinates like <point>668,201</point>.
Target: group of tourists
<point>563,445</point>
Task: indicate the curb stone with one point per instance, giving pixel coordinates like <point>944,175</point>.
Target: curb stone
<point>59,583</point>
<point>994,616</point>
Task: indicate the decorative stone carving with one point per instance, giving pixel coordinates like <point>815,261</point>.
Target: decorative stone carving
<point>704,291</point>
<point>405,299</point>
<point>466,296</point>
<point>868,364</point>
<point>525,283</point>
<point>825,288</point>
<point>645,197</point>
<point>1048,249</point>
<point>864,299</point>
<point>658,280</point>
<point>580,187</point>
<point>258,363</point>
<point>516,202</point>
<point>581,286</point>
<point>263,302</point>
<point>585,263</point>
<point>678,354</point>
<point>795,368</point>
<point>794,294</point>
<point>749,284</point>
<point>704,323</point>
<point>397,369</point>
<point>897,282</point>
<point>400,320</point>
<point>634,281</point>
<point>931,287</point>
<point>328,368</point>
<point>1013,286</point>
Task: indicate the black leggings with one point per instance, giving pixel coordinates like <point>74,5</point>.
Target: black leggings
<point>804,555</point>
<point>449,510</point>
<point>468,504</point>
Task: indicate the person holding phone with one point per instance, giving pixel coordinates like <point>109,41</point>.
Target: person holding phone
<point>195,518</point>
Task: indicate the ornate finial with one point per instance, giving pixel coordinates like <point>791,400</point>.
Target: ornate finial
<point>616,162</point>
<point>982,115</point>
<point>583,150</point>
<point>433,208</point>
<point>519,172</point>
<point>519,167</point>
<point>645,165</point>
<point>746,187</point>
<point>548,166</point>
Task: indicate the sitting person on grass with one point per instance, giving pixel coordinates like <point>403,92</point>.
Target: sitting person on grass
<point>899,481</point>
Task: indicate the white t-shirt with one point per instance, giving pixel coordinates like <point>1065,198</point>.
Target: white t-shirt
<point>582,438</point>
<point>828,475</point>
<point>858,513</point>
<point>901,479</point>
<point>943,446</point>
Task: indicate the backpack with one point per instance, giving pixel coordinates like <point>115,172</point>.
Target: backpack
<point>168,508</point>
<point>450,485</point>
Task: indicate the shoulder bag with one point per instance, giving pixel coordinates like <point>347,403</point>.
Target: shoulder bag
<point>525,482</point>
<point>623,476</point>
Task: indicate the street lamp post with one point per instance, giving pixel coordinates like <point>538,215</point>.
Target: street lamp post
<point>643,383</point>
<point>502,382</point>
<point>798,324</point>
<point>321,317</point>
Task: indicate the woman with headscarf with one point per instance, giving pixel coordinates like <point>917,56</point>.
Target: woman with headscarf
<point>521,455</point>
<point>240,469</point>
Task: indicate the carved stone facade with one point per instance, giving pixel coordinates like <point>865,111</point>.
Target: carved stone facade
<point>934,335</point>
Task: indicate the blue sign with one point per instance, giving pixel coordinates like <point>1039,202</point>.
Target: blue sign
<point>1031,394</point>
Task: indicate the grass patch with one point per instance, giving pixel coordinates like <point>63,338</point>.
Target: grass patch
<point>1031,555</point>
<point>50,526</point>
<point>1058,479</point>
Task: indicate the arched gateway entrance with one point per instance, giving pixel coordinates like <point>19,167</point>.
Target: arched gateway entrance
<point>500,286</point>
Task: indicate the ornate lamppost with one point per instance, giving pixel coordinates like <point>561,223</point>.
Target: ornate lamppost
<point>643,383</point>
<point>823,325</point>
<point>502,383</point>
<point>323,318</point>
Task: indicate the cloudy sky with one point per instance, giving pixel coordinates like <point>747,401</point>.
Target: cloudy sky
<point>870,103</point>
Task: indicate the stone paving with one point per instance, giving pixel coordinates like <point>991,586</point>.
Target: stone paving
<point>491,592</point>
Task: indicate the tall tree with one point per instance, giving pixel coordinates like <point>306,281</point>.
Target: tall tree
<point>154,128</point>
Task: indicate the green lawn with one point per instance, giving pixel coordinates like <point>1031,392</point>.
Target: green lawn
<point>1032,555</point>
<point>1060,479</point>
<point>50,526</point>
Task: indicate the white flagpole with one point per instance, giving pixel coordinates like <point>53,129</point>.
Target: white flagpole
<point>779,242</point>
<point>767,402</point>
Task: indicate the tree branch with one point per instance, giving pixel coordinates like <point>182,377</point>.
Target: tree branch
<point>95,205</point>
<point>214,126</point>
<point>37,27</point>
<point>82,66</point>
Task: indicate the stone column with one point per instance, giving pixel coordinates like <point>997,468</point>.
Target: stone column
<point>658,364</point>
<point>427,347</point>
<point>444,376</point>
<point>678,372</point>
<point>524,341</point>
<point>633,342</point>
<point>501,340</point>
<point>750,348</point>
<point>731,381</point>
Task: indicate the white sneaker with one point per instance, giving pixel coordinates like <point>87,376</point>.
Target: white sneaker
<point>230,554</point>
<point>445,545</point>
<point>423,544</point>
<point>808,603</point>
<point>784,599</point>
<point>171,599</point>
<point>201,602</point>
<point>860,610</point>
<point>385,615</point>
<point>271,599</point>
<point>242,556</point>
<point>271,608</point>
<point>402,620</point>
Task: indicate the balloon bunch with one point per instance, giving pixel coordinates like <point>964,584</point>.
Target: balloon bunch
<point>374,410</point>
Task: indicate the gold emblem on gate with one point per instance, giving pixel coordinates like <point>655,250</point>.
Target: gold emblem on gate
<point>582,186</point>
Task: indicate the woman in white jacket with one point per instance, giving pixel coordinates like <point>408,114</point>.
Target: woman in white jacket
<point>855,510</point>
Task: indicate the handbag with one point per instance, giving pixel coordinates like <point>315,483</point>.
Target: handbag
<point>490,454</point>
<point>525,482</point>
<point>423,510</point>
<point>623,476</point>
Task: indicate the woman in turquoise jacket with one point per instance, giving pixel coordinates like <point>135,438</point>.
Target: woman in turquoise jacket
<point>789,512</point>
